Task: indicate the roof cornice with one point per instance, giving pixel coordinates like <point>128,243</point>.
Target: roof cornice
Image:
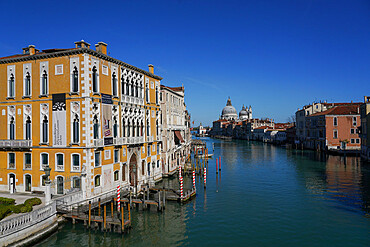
<point>75,52</point>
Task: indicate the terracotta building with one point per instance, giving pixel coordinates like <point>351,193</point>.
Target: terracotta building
<point>334,129</point>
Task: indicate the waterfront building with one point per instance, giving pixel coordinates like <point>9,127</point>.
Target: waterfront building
<point>201,130</point>
<point>176,136</point>
<point>93,119</point>
<point>334,129</point>
<point>301,115</point>
<point>365,128</point>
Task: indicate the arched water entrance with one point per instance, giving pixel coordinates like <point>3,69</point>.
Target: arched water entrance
<point>133,170</point>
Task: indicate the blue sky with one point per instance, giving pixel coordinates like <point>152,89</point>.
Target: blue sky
<point>274,55</point>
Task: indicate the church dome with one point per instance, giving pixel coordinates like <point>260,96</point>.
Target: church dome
<point>243,112</point>
<point>229,112</point>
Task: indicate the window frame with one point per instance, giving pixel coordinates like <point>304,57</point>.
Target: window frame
<point>98,176</point>
<point>24,161</point>
<point>116,151</point>
<point>42,91</point>
<point>56,162</point>
<point>335,134</point>
<point>72,162</point>
<point>97,153</point>
<point>11,90</point>
<point>41,160</point>
<point>27,74</point>
<point>8,162</point>
<point>74,71</point>
<point>116,177</point>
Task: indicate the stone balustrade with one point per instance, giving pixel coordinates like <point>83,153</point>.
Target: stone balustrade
<point>21,222</point>
<point>69,199</point>
<point>15,143</point>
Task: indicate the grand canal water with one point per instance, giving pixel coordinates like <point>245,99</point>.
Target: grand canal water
<point>264,196</point>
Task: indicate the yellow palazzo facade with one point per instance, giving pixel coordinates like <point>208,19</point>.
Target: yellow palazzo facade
<point>93,119</point>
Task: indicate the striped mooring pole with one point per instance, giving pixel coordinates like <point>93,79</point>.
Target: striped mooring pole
<point>181,185</point>
<point>216,165</point>
<point>205,176</point>
<point>118,198</point>
<point>194,179</point>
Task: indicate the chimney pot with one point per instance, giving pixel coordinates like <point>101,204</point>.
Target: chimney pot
<point>31,49</point>
<point>82,44</point>
<point>101,47</point>
<point>151,68</point>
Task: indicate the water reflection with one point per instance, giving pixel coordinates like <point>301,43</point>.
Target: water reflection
<point>338,178</point>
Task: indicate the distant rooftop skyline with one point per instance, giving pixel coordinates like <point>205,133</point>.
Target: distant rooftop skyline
<point>273,55</point>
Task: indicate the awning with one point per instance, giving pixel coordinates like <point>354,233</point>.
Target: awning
<point>178,135</point>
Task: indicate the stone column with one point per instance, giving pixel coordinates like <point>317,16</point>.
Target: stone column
<point>83,186</point>
<point>47,192</point>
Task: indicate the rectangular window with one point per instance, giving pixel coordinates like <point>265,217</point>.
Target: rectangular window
<point>27,161</point>
<point>352,141</point>
<point>352,131</point>
<point>148,150</point>
<point>97,159</point>
<point>354,121</point>
<point>335,134</point>
<point>357,140</point>
<point>11,161</point>
<point>116,156</point>
<point>75,162</point>
<point>335,121</point>
<point>116,175</point>
<point>76,131</point>
<point>59,69</point>
<point>60,162</point>
<point>44,160</point>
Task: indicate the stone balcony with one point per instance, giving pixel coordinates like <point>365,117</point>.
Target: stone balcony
<point>132,100</point>
<point>98,142</point>
<point>135,140</point>
<point>149,139</point>
<point>176,127</point>
<point>15,143</point>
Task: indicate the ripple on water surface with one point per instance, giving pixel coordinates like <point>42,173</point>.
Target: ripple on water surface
<point>264,196</point>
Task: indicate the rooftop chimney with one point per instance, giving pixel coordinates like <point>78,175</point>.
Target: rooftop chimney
<point>82,44</point>
<point>31,50</point>
<point>101,47</point>
<point>151,68</point>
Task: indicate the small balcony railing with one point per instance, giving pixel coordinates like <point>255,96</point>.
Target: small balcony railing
<point>149,138</point>
<point>60,168</point>
<point>135,140</point>
<point>15,143</point>
<point>75,168</point>
<point>98,142</point>
<point>132,100</point>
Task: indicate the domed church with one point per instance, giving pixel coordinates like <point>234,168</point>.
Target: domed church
<point>229,112</point>
<point>245,113</point>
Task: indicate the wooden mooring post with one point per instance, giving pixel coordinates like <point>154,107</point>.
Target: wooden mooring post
<point>105,217</point>
<point>89,214</point>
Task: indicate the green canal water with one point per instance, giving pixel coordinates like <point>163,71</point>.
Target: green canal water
<point>264,196</point>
